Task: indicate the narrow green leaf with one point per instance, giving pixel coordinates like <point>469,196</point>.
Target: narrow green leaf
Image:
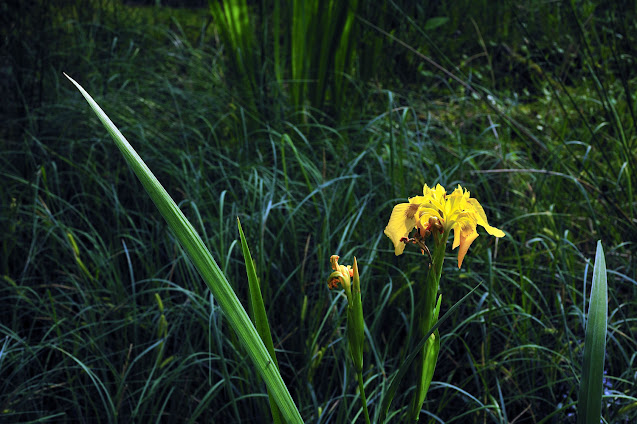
<point>432,348</point>
<point>405,366</point>
<point>258,313</point>
<point>589,407</point>
<point>436,22</point>
<point>206,265</point>
<point>626,409</point>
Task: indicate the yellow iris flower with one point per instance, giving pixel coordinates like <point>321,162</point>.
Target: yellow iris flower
<point>456,211</point>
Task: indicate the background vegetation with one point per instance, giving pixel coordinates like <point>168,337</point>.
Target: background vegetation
<point>528,104</point>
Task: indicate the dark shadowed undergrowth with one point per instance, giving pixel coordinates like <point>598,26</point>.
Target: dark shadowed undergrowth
<point>104,319</point>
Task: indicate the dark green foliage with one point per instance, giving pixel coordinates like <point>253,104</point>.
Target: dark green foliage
<point>302,49</point>
<point>539,125</point>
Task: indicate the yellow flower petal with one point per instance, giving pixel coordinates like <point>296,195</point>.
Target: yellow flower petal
<point>456,237</point>
<point>465,242</point>
<point>482,219</point>
<point>401,222</point>
<point>434,198</point>
<point>426,212</point>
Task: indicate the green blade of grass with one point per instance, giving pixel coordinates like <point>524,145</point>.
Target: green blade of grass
<point>589,407</point>
<point>259,315</point>
<point>206,265</point>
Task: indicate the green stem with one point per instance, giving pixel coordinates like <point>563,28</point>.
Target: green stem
<point>363,398</point>
<point>428,297</point>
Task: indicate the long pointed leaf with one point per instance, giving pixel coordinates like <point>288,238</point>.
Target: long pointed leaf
<point>206,265</point>
<point>589,407</point>
<point>258,312</point>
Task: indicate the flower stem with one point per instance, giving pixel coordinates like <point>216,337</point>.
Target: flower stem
<point>363,398</point>
<point>428,294</point>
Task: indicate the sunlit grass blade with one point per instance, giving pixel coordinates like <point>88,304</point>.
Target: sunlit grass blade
<point>233,20</point>
<point>207,267</point>
<point>406,365</point>
<point>258,313</point>
<point>589,407</point>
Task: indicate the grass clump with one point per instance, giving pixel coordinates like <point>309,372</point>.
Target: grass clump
<point>103,318</point>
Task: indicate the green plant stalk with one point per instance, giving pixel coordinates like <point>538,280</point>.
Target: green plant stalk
<point>206,265</point>
<point>361,388</point>
<point>323,55</point>
<point>388,397</point>
<point>259,314</point>
<point>589,407</point>
<point>344,53</point>
<point>355,322</point>
<point>356,333</point>
<point>321,49</point>
<point>427,318</point>
<point>298,50</point>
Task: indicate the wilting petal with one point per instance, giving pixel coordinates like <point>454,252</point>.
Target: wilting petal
<point>334,262</point>
<point>341,276</point>
<point>401,222</point>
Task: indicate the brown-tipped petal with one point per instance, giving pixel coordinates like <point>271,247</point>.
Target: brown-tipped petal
<point>334,262</point>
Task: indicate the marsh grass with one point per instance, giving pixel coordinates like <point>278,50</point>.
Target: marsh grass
<point>104,319</point>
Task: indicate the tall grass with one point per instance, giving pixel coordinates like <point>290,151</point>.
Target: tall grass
<point>306,49</point>
<point>102,317</point>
